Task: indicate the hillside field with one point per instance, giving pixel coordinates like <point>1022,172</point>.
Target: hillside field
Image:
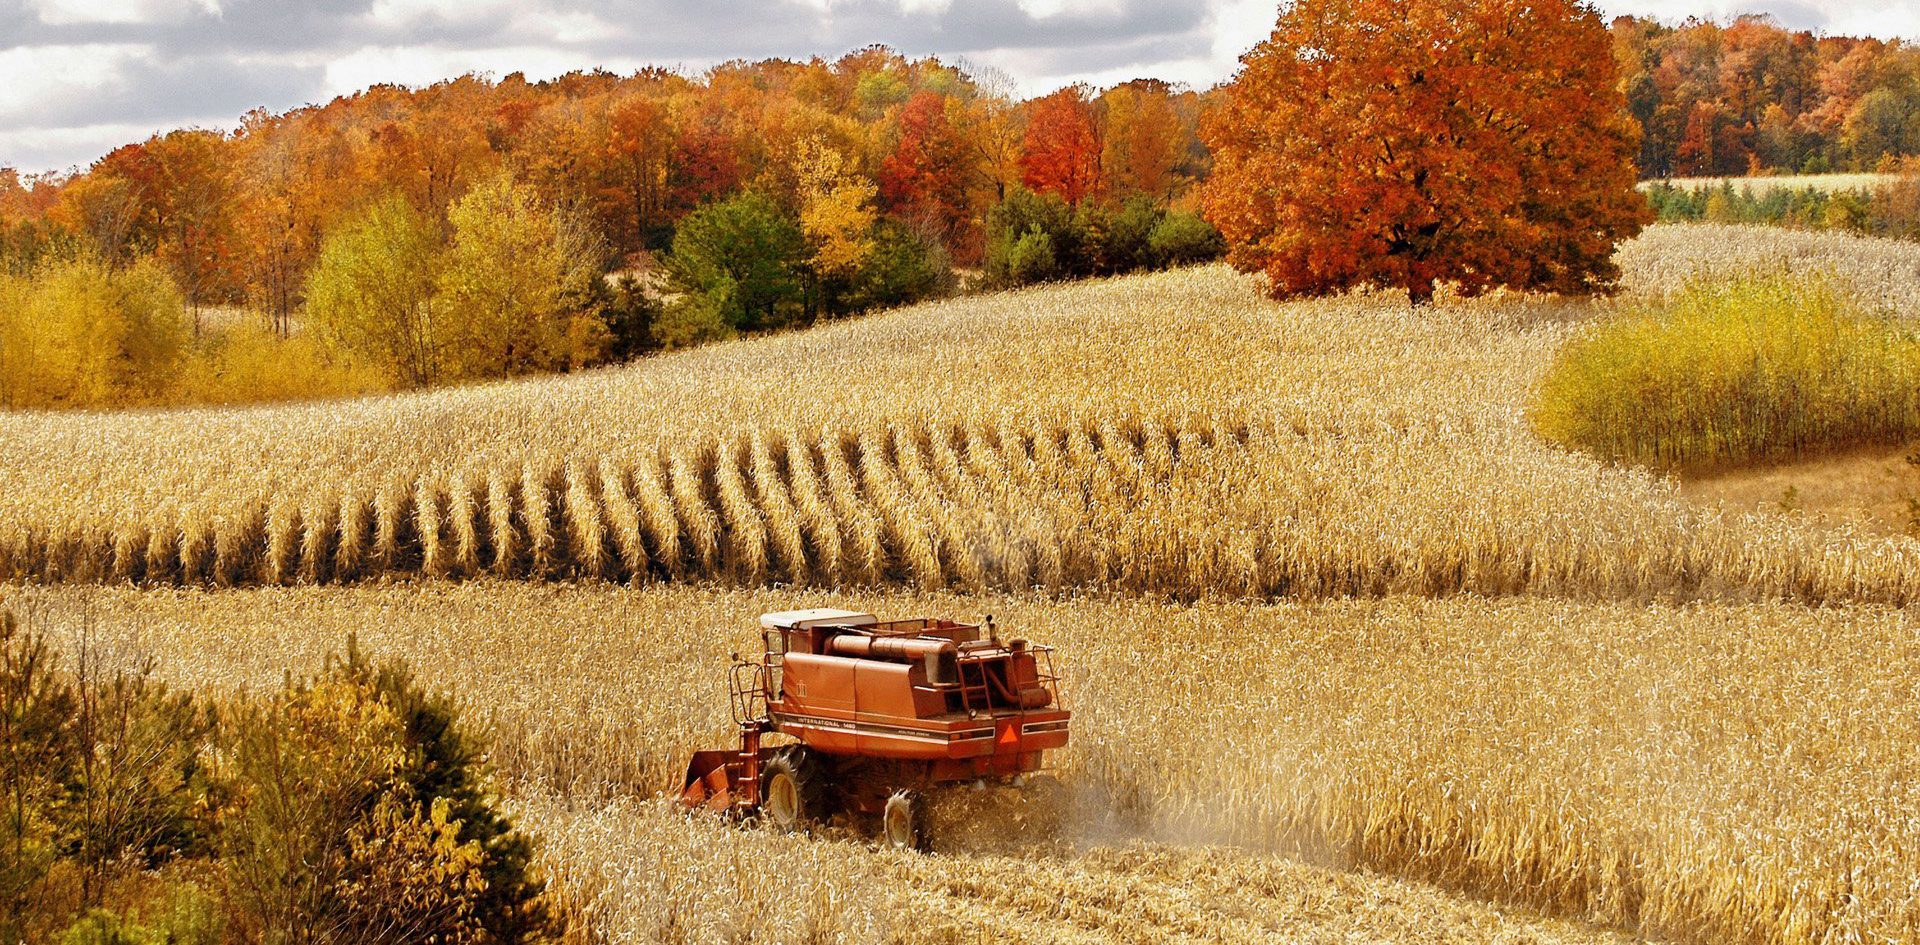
<point>1831,183</point>
<point>1353,654</point>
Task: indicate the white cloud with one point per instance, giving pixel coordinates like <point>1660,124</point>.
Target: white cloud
<point>402,14</point>
<point>1047,8</point>
<point>58,149</point>
<point>82,12</point>
<point>32,76</point>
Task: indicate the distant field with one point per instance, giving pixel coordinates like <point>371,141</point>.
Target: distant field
<point>1760,185</point>
<point>1872,488</point>
<point>1173,434</point>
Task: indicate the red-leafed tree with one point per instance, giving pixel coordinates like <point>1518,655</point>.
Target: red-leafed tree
<point>925,176</point>
<point>1407,143</point>
<point>706,159</point>
<point>1061,151</point>
<point>639,153</point>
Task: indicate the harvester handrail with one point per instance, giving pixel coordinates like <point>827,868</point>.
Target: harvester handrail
<point>748,691</point>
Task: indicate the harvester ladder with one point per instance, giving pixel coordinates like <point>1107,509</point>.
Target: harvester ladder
<point>969,689</point>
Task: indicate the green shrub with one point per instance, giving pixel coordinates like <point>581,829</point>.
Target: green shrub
<point>354,801</point>
<point>1017,230</point>
<point>744,254</point>
<point>181,914</point>
<point>1119,237</point>
<point>695,318</point>
<point>1032,259</point>
<point>1733,373</point>
<point>39,752</point>
<point>905,266</point>
<point>1184,239</point>
<point>366,811</point>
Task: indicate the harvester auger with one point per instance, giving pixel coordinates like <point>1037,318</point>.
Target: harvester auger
<point>878,713</point>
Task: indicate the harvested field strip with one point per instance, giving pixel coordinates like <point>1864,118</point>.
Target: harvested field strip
<point>1320,505</point>
<point>751,511</point>
<point>641,873</point>
<point>1706,773</point>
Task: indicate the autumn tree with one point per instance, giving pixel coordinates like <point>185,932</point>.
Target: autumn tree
<point>926,175</point>
<point>434,147</point>
<point>1060,153</point>
<point>192,200</point>
<point>372,291</point>
<point>706,158</point>
<point>79,333</point>
<point>638,150</point>
<point>104,209</point>
<point>1406,143</point>
<point>836,216</point>
<point>1143,138</point>
<point>993,124</point>
<point>513,284</point>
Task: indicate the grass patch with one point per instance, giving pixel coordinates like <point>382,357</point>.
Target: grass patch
<point>1734,373</point>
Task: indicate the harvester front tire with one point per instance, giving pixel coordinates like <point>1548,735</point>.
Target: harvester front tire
<point>794,793</point>
<point>903,824</point>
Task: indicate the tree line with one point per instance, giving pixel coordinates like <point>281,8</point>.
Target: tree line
<point>1747,97</point>
<point>595,217</point>
<point>1890,208</point>
<point>636,212</point>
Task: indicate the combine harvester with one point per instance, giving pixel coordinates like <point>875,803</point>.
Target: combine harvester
<point>880,714</point>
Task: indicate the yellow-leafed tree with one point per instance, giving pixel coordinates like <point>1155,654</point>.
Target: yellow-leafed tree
<point>836,209</point>
<point>513,282</point>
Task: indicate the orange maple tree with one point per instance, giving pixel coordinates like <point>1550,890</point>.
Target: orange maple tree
<point>1406,143</point>
<point>1142,140</point>
<point>1061,151</point>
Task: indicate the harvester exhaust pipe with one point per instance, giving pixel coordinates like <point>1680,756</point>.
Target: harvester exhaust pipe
<point>940,655</point>
<point>891,648</point>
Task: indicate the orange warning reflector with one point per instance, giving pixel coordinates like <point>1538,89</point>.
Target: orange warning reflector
<point>1009,734</point>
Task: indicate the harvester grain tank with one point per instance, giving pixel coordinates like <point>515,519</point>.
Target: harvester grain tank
<point>874,715</point>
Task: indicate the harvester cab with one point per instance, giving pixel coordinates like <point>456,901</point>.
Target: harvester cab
<point>873,715</point>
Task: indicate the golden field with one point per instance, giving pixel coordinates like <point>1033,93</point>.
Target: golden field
<point>1172,434</point>
<point>1761,185</point>
<point>1707,772</point>
<point>1354,655</point>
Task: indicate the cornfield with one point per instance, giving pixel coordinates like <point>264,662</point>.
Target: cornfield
<point>1706,772</point>
<point>1173,435</point>
<point>1831,183</point>
<point>1882,275</point>
<point>1352,653</point>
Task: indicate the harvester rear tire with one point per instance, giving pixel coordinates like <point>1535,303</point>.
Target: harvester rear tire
<point>903,824</point>
<point>794,794</point>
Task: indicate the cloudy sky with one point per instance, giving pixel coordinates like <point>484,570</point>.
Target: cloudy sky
<point>78,77</point>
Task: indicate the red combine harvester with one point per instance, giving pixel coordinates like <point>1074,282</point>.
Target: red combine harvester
<point>880,712</point>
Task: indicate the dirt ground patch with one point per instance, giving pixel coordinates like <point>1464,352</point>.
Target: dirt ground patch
<point>1873,489</point>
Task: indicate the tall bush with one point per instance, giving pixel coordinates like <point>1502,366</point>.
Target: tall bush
<point>1733,373</point>
<point>77,332</point>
